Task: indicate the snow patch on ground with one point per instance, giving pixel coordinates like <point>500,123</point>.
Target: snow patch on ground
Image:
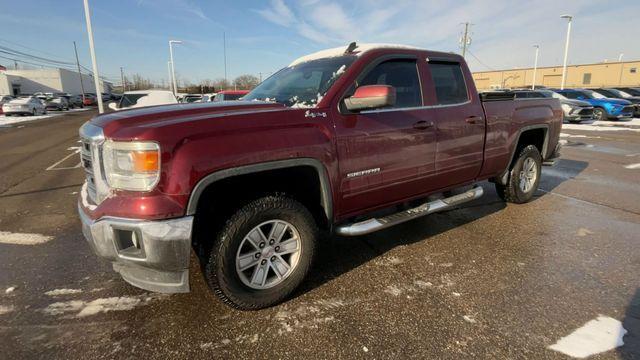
<point>631,125</point>
<point>632,166</point>
<point>23,238</point>
<point>11,120</point>
<point>10,290</point>
<point>596,336</point>
<point>81,308</point>
<point>469,319</point>
<point>5,309</point>
<point>58,292</point>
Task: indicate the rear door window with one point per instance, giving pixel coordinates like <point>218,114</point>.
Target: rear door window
<point>449,83</point>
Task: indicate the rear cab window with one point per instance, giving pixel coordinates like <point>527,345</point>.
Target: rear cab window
<point>449,83</point>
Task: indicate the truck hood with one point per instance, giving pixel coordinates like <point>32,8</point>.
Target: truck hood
<point>151,117</point>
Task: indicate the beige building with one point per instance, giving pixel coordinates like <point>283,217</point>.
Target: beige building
<point>606,74</point>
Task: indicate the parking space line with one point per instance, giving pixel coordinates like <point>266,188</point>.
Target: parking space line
<point>76,150</point>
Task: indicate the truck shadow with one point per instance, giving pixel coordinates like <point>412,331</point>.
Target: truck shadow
<point>339,255</point>
<point>564,170</point>
<point>631,323</point>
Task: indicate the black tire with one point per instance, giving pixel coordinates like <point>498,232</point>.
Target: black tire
<point>575,121</point>
<point>33,112</point>
<point>220,270</point>
<point>599,114</point>
<point>512,192</point>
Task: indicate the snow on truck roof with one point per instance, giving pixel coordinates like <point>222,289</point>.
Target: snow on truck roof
<point>339,51</point>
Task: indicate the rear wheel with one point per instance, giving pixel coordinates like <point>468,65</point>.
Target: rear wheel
<point>599,114</point>
<point>263,253</point>
<point>524,177</point>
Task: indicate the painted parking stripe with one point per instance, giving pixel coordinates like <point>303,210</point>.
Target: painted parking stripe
<point>596,336</point>
<point>76,150</point>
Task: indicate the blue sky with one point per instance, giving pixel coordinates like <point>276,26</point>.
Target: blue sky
<point>263,36</point>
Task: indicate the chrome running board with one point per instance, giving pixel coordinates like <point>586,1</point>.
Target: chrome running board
<point>375,224</point>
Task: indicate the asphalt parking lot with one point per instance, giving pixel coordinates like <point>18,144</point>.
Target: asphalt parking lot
<point>486,280</point>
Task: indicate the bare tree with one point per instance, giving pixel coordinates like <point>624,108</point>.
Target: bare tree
<point>220,84</point>
<point>246,82</point>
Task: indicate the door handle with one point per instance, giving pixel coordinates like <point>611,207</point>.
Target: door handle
<point>473,119</point>
<point>423,125</point>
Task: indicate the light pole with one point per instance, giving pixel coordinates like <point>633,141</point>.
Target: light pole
<point>535,67</point>
<point>170,83</point>
<point>94,62</point>
<point>566,50</point>
<point>621,69</point>
<point>173,68</point>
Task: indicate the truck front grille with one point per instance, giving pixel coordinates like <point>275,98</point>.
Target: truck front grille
<point>91,137</point>
<point>86,157</point>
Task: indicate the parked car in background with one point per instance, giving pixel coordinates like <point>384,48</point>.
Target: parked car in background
<point>207,97</point>
<point>629,91</point>
<point>227,95</point>
<point>190,98</point>
<point>58,103</point>
<point>618,94</point>
<point>90,100</point>
<point>603,107</point>
<point>142,98</point>
<point>24,105</point>
<point>5,99</point>
<point>75,101</point>
<point>574,111</point>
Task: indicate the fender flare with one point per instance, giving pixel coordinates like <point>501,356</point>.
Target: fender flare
<point>503,177</point>
<point>325,184</point>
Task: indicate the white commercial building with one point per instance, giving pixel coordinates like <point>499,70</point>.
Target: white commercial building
<point>16,82</point>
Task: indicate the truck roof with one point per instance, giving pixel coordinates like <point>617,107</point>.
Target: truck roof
<point>339,51</point>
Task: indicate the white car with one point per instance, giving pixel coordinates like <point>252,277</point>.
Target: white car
<point>142,98</point>
<point>24,105</point>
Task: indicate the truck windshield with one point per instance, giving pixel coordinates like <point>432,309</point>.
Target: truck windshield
<point>302,85</point>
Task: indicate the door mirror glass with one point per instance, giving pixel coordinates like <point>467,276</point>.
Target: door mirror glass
<point>370,97</point>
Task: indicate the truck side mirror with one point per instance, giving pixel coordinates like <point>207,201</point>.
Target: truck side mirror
<point>371,97</point>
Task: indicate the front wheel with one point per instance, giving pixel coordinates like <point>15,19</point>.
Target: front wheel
<point>263,253</point>
<point>524,177</point>
<point>599,114</point>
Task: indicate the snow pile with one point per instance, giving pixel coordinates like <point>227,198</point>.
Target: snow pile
<point>83,308</point>
<point>339,51</point>
<point>58,292</point>
<point>5,309</point>
<point>23,239</point>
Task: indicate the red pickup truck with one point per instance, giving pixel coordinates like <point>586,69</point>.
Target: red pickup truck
<point>345,141</point>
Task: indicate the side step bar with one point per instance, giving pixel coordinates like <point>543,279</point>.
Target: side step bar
<point>375,224</point>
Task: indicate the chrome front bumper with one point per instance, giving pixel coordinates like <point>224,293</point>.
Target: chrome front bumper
<point>156,258</point>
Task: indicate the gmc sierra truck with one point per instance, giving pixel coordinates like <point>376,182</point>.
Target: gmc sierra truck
<point>345,141</point>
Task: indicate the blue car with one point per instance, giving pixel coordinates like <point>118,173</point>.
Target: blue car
<point>603,107</point>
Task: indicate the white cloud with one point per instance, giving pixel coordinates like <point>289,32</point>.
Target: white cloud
<point>503,31</point>
<point>278,13</point>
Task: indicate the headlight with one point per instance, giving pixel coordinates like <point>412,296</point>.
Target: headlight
<point>131,165</point>
<point>567,108</point>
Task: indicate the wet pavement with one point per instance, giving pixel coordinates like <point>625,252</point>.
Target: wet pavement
<point>486,280</point>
